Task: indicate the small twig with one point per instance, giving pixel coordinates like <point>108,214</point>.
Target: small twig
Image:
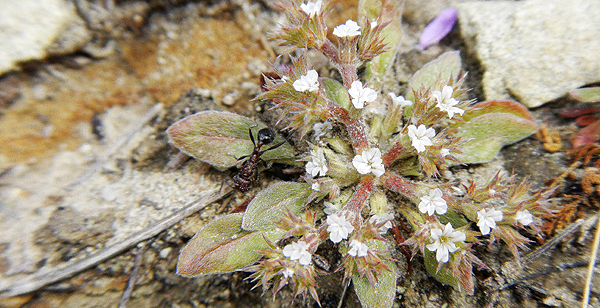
<point>558,268</point>
<point>539,252</point>
<point>132,279</point>
<point>555,240</point>
<point>343,294</point>
<point>44,278</point>
<point>590,271</point>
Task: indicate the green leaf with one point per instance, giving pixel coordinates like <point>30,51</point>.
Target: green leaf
<point>442,68</point>
<point>588,95</point>
<point>219,138</point>
<point>444,275</point>
<point>336,92</point>
<point>221,246</point>
<point>270,204</point>
<point>452,217</point>
<point>383,11</point>
<point>489,132</point>
<point>384,292</point>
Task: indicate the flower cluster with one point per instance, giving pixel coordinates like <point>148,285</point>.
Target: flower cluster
<point>365,167</point>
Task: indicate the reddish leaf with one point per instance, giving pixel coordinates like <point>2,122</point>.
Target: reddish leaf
<point>587,135</point>
<point>498,106</point>
<point>577,112</point>
<point>586,120</point>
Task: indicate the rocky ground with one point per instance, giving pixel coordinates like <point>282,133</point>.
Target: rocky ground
<point>86,94</point>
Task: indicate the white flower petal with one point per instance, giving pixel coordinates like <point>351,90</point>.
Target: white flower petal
<point>358,249</point>
<point>443,242</point>
<point>311,8</point>
<point>486,220</point>
<point>308,82</point>
<point>369,162</point>
<point>399,100</point>
<point>349,29</point>
<point>338,227</point>
<point>420,137</point>
<point>524,217</point>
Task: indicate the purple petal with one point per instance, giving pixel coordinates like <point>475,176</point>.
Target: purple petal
<point>438,28</point>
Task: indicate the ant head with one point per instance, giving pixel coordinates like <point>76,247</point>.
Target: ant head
<point>265,136</point>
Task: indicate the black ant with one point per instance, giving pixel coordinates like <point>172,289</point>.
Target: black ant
<point>249,171</point>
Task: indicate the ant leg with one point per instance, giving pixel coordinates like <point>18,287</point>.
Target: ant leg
<point>250,133</point>
<point>272,148</point>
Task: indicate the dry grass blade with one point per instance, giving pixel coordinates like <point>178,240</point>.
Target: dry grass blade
<point>592,264</point>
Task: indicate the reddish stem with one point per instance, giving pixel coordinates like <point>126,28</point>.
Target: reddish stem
<point>393,153</point>
<point>400,184</point>
<point>399,240</point>
<point>348,72</point>
<point>356,127</point>
<point>362,193</point>
<point>330,51</point>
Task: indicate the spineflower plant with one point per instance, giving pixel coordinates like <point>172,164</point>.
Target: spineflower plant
<point>366,170</point>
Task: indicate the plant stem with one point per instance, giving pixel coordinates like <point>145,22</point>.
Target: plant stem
<point>362,193</point>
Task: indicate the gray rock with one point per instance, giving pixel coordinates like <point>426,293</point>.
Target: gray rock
<point>536,50</point>
<point>29,28</point>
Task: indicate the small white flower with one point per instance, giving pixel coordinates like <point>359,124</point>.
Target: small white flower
<point>361,95</point>
<point>486,220</point>
<point>444,152</point>
<point>387,217</point>
<point>331,208</point>
<point>443,242</point>
<point>339,228</point>
<point>399,100</point>
<point>369,162</point>
<point>298,251</point>
<point>318,163</point>
<point>308,82</point>
<point>349,29</point>
<point>288,272</point>
<point>433,203</point>
<point>311,8</point>
<point>316,186</point>
<point>445,101</point>
<point>524,217</point>
<point>358,249</point>
<point>420,136</point>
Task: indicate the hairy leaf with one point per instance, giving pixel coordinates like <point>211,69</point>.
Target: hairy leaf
<point>271,203</point>
<point>588,95</point>
<point>382,295</point>
<point>336,92</point>
<point>498,106</point>
<point>488,130</point>
<point>444,275</point>
<point>222,246</point>
<point>587,135</point>
<point>383,11</point>
<point>442,68</point>
<point>219,138</point>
